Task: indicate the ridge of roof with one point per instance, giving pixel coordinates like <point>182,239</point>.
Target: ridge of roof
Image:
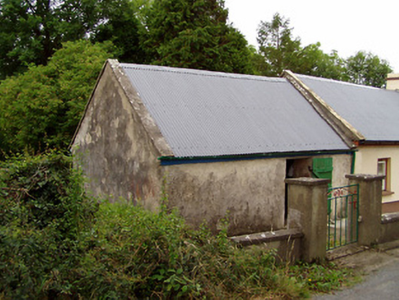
<point>207,73</point>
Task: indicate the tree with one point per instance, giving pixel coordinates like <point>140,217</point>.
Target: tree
<point>259,65</point>
<point>41,108</point>
<point>367,69</point>
<point>123,29</point>
<point>31,30</point>
<point>195,34</point>
<point>279,49</point>
<point>315,62</point>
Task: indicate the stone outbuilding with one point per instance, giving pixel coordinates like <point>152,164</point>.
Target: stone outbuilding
<point>213,144</point>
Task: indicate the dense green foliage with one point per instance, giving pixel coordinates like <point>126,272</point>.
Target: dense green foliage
<point>58,243</point>
<point>315,62</point>
<point>123,29</point>
<point>195,34</point>
<point>43,214</point>
<point>31,31</point>
<point>42,107</point>
<point>183,33</point>
<point>367,69</point>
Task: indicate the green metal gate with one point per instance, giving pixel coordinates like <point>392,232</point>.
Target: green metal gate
<point>342,217</point>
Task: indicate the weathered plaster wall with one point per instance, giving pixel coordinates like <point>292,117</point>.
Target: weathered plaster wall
<point>307,211</point>
<point>116,152</point>
<point>367,161</point>
<point>250,192</point>
<point>341,166</point>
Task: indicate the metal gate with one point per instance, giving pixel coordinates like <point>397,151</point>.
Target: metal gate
<point>342,216</point>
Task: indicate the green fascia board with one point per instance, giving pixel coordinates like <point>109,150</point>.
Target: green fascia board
<point>171,160</point>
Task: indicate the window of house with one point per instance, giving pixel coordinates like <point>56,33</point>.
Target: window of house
<point>384,169</point>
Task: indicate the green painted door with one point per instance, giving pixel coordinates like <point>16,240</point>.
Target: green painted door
<point>323,168</point>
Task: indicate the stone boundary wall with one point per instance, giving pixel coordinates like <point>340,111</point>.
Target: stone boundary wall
<point>389,227</point>
<point>306,236</point>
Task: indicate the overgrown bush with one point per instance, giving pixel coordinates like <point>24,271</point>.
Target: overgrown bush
<point>140,254</point>
<point>43,214</point>
<point>41,108</point>
<point>57,243</point>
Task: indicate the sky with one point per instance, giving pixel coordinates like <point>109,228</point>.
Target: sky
<point>347,26</point>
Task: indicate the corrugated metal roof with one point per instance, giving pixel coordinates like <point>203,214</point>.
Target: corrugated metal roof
<point>202,113</point>
<point>372,111</point>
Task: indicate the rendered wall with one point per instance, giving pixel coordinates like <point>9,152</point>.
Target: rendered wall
<point>307,202</point>
<point>342,166</point>
<point>250,192</point>
<point>367,160</point>
<point>114,149</point>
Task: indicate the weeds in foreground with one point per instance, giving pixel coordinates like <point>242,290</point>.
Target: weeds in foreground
<point>322,277</point>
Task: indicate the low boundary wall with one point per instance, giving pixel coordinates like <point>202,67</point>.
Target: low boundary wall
<point>306,235</point>
<point>287,243</point>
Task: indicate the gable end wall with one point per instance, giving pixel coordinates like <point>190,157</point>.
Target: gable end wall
<point>114,148</point>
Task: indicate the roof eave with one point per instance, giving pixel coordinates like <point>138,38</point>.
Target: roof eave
<point>378,143</point>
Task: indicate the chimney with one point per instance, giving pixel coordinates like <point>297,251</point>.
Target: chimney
<point>393,82</point>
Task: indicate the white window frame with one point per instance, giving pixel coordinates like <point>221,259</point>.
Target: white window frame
<point>383,168</point>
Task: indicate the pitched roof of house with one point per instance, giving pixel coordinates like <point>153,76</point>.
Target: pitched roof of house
<point>372,111</point>
<point>203,113</point>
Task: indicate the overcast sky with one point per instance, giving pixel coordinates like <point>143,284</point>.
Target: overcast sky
<point>347,26</point>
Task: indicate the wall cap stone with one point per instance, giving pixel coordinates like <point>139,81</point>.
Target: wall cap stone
<point>364,177</point>
<point>390,218</point>
<point>308,181</point>
<point>267,237</point>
